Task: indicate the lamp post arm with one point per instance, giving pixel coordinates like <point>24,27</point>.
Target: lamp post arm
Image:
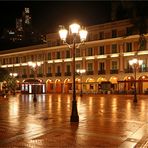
<point>69,46</point>
<point>79,44</point>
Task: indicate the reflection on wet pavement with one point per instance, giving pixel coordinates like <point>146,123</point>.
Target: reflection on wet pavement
<point>105,121</point>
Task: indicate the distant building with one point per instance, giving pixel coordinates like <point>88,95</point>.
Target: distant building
<point>23,33</point>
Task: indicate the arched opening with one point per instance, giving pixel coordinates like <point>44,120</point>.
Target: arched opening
<point>90,85</point>
<point>67,85</point>
<point>49,86</point>
<point>114,83</point>
<point>58,86</point>
<point>78,85</point>
<point>143,84</point>
<point>99,81</point>
<point>126,85</point>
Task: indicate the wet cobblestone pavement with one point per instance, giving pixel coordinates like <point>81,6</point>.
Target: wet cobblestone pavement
<point>105,121</point>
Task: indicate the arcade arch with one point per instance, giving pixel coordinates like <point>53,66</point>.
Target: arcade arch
<point>49,85</point>
<point>58,86</point>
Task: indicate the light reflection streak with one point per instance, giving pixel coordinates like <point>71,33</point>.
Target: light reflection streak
<point>59,104</point>
<point>102,102</point>
<point>128,109</point>
<point>50,104</point>
<point>143,106</point>
<point>68,99</point>
<point>13,108</point>
<point>13,112</point>
<point>114,109</point>
<point>114,105</point>
<point>90,106</point>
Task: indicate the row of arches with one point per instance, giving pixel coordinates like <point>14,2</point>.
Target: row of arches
<point>127,85</point>
<point>93,85</point>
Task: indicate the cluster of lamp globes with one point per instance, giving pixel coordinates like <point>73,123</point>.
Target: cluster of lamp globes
<point>74,29</point>
<point>34,64</point>
<point>135,63</point>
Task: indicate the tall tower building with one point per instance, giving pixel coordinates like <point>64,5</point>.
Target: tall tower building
<point>19,25</point>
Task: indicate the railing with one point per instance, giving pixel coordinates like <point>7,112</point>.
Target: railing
<point>145,69</point>
<point>114,71</point>
<point>31,75</point>
<point>128,70</point>
<point>40,75</point>
<point>24,76</point>
<point>49,75</point>
<point>57,74</point>
<point>100,72</point>
<point>67,73</point>
<point>89,72</point>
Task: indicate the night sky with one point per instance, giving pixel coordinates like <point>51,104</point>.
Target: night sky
<point>48,15</point>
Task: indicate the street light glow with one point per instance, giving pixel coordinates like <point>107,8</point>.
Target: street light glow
<point>63,34</point>
<point>83,34</point>
<point>74,28</point>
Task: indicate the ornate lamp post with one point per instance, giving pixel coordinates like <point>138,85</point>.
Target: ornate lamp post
<point>135,63</point>
<point>81,72</point>
<point>75,31</point>
<point>34,66</point>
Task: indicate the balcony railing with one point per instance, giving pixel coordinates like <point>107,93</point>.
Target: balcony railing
<point>49,75</point>
<point>89,72</point>
<point>24,76</point>
<point>67,73</point>
<point>128,70</point>
<point>145,69</point>
<point>31,75</point>
<point>57,74</point>
<point>40,75</point>
<point>101,72</point>
<point>114,71</point>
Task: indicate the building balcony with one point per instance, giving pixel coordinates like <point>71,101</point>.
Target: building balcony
<point>57,74</point>
<point>67,73</point>
<point>31,75</point>
<point>101,72</point>
<point>89,72</point>
<point>24,76</point>
<point>40,75</point>
<point>114,71</point>
<point>145,69</point>
<point>128,70</point>
<point>49,75</point>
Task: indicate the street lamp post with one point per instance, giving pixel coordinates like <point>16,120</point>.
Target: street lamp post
<point>34,66</point>
<point>135,63</point>
<point>13,75</point>
<point>75,31</point>
<point>81,72</point>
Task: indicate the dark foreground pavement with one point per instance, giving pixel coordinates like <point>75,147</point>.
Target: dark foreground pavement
<point>105,121</point>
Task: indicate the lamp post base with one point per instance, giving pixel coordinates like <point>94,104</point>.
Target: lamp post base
<point>135,98</point>
<point>74,116</point>
<point>34,98</point>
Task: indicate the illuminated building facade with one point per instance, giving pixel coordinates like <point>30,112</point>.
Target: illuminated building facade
<point>105,57</point>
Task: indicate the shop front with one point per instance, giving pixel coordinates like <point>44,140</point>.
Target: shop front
<point>30,86</point>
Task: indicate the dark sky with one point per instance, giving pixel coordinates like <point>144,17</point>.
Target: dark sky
<point>48,15</point>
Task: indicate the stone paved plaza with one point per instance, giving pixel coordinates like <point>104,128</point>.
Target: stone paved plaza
<point>105,121</point>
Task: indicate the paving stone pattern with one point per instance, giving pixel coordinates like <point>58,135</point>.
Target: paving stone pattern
<point>106,121</point>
